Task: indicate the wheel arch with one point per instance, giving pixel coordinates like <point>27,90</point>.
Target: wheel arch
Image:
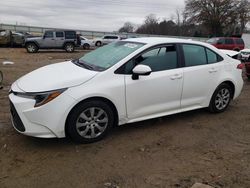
<point>97,98</point>
<point>98,41</point>
<point>32,42</point>
<point>231,84</point>
<point>68,42</point>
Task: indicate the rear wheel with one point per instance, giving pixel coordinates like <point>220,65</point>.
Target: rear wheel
<point>1,78</point>
<point>31,48</point>
<point>90,121</point>
<point>221,98</point>
<point>69,47</point>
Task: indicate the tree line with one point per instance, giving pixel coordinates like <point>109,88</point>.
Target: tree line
<point>200,18</point>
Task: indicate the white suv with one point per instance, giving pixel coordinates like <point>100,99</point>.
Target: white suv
<point>106,39</point>
<point>123,82</point>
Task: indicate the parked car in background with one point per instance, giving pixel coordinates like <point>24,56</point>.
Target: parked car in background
<point>106,39</point>
<point>18,39</point>
<point>245,54</point>
<point>86,43</point>
<point>123,82</point>
<point>9,38</point>
<point>231,53</point>
<point>25,34</point>
<point>228,43</point>
<point>53,39</point>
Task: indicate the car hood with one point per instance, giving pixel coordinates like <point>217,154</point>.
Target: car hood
<point>56,76</point>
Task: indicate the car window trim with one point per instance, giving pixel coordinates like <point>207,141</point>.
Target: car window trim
<point>121,69</point>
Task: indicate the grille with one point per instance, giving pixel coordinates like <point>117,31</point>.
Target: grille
<point>17,122</point>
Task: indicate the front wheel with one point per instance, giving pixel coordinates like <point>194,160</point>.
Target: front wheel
<point>98,43</point>
<point>69,47</point>
<point>90,121</point>
<point>31,48</point>
<point>86,46</point>
<point>221,98</point>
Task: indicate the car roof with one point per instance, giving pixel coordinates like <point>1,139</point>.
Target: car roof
<point>161,40</point>
<point>62,30</point>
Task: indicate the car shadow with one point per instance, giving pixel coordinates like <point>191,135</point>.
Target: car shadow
<point>118,131</point>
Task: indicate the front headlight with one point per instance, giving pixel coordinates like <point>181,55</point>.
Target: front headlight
<point>41,98</point>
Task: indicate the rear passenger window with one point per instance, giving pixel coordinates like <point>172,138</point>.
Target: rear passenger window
<point>211,56</point>
<point>229,41</point>
<point>59,34</point>
<point>70,35</point>
<point>194,55</point>
<point>239,41</point>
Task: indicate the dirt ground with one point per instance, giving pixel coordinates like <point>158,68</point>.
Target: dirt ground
<point>173,151</point>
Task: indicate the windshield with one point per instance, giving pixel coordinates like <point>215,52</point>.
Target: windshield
<point>107,56</point>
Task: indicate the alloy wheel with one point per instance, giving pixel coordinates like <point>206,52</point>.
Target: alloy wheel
<point>92,122</point>
<point>222,99</point>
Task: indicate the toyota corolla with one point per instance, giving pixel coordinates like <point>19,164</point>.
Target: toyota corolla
<point>123,82</point>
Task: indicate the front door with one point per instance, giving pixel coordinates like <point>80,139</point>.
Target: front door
<point>48,40</point>
<point>159,92</point>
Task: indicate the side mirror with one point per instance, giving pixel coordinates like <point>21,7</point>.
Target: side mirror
<point>141,70</point>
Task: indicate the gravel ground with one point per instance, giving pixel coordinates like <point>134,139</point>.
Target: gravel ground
<point>172,151</point>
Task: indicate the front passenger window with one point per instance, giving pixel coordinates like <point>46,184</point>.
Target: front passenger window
<point>48,34</point>
<point>159,59</point>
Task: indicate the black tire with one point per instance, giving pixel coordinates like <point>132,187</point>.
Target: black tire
<point>219,101</point>
<point>98,43</point>
<point>31,48</point>
<point>86,46</point>
<point>1,78</point>
<point>87,126</point>
<point>69,47</point>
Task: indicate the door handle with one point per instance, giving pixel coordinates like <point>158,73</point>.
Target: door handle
<point>176,76</point>
<point>212,70</point>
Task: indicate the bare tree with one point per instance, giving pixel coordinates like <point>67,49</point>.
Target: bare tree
<point>150,25</point>
<point>128,27</point>
<point>217,15</point>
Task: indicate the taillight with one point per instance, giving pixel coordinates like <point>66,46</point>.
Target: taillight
<point>240,66</point>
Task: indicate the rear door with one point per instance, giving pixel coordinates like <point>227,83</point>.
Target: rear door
<point>59,40</point>
<point>201,74</point>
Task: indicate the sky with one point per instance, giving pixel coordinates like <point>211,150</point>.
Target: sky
<point>96,15</point>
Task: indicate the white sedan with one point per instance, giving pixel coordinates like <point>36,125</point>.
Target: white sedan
<point>86,43</point>
<point>123,82</point>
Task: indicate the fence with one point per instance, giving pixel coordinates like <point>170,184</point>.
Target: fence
<point>86,33</point>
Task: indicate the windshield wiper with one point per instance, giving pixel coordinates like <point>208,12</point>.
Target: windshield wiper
<point>83,64</point>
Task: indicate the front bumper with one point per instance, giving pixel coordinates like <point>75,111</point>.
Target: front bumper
<point>47,121</point>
